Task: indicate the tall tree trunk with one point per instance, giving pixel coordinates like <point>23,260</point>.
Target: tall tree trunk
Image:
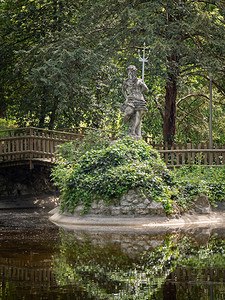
<point>53,113</point>
<point>43,111</point>
<point>169,126</point>
<point>3,105</point>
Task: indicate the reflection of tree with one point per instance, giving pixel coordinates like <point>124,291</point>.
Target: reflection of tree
<point>105,272</point>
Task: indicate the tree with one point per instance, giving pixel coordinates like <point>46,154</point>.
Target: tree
<point>184,37</point>
<point>65,62</point>
<point>57,78</point>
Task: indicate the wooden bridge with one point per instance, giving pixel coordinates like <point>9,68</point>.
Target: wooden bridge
<point>32,145</point>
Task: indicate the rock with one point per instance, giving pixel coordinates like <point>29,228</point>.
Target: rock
<point>141,211</point>
<point>115,211</point>
<point>202,205</point>
<point>131,192</point>
<point>146,202</point>
<point>79,209</point>
<point>124,203</point>
<point>129,196</point>
<point>140,205</point>
<point>103,208</point>
<point>94,205</point>
<point>156,208</point>
<point>135,201</point>
<point>126,211</point>
<point>220,206</point>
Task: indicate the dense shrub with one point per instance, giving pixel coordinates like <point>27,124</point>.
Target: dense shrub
<point>195,180</point>
<point>110,172</point>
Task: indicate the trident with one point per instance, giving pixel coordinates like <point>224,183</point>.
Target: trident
<point>143,60</point>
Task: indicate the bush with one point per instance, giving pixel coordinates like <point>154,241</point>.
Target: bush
<point>6,124</point>
<point>192,181</point>
<point>110,172</point>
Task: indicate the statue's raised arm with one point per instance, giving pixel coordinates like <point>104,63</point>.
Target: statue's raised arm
<point>135,104</point>
<point>143,86</point>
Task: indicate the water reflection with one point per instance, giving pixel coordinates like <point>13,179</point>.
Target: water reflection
<point>43,262</point>
<point>140,266</point>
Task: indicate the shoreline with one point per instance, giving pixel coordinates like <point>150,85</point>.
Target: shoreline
<point>146,223</point>
<point>100,222</point>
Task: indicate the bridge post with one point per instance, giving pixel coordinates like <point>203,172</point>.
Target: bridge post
<point>31,146</point>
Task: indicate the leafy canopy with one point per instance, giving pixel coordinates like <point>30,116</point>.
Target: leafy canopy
<point>63,63</point>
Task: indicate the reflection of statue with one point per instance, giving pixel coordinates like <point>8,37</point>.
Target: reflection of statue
<point>135,105</point>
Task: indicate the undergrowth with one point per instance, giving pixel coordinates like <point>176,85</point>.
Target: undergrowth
<point>192,181</point>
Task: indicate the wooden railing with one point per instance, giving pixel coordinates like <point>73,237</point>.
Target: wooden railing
<point>36,144</point>
<point>30,144</point>
<point>191,154</point>
<point>34,272</point>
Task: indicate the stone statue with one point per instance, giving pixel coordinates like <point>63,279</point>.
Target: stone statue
<point>135,105</point>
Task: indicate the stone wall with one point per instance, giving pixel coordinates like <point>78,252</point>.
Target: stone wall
<point>133,203</point>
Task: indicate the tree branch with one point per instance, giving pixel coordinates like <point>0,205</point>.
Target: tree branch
<point>158,105</point>
<point>189,113</point>
<point>219,87</point>
<point>191,95</point>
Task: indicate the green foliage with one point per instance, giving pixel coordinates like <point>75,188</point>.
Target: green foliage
<point>99,169</point>
<point>186,253</point>
<point>6,124</point>
<point>63,62</point>
<point>110,172</point>
<point>196,180</point>
<point>68,154</point>
<point>211,256</point>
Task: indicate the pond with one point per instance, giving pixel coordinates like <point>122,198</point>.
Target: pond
<point>38,260</point>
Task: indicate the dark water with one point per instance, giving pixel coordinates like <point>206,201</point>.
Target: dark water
<point>40,261</point>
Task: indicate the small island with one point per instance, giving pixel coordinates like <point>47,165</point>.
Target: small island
<point>125,181</point>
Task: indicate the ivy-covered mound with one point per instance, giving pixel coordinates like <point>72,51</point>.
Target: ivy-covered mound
<point>111,171</point>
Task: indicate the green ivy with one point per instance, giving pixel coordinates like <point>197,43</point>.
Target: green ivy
<point>196,180</point>
<point>110,172</point>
